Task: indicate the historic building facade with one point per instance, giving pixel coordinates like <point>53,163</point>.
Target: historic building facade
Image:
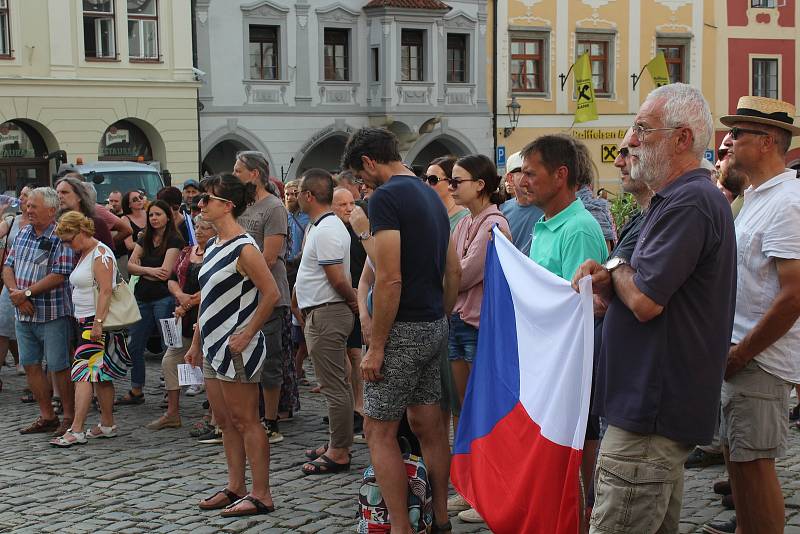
<point>293,79</point>
<point>726,48</point>
<point>99,80</point>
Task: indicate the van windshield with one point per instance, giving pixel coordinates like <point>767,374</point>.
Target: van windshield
<point>124,181</point>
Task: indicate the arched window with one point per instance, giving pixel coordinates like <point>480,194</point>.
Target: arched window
<point>124,141</point>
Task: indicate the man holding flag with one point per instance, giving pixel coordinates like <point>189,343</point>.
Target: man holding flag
<point>667,328</point>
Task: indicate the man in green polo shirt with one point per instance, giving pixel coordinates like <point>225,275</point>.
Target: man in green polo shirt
<point>567,234</point>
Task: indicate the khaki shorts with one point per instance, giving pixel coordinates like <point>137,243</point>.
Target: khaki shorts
<point>639,483</point>
<point>169,364</point>
<point>238,367</point>
<point>754,422</point>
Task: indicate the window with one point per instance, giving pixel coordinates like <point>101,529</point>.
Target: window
<point>762,3</point>
<point>98,29</point>
<point>599,49</point>
<point>337,54</point>
<point>264,53</point>
<point>456,58</point>
<point>765,77</point>
<point>527,65</point>
<point>143,29</point>
<point>412,53</point>
<point>5,31</point>
<point>376,65</point>
<point>674,55</point>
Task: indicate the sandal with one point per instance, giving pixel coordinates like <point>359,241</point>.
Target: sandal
<point>312,454</point>
<point>101,431</point>
<point>260,508</point>
<point>326,467</point>
<point>40,426</point>
<point>304,382</point>
<point>58,408</point>
<point>232,498</point>
<point>69,439</point>
<point>27,397</point>
<point>131,399</point>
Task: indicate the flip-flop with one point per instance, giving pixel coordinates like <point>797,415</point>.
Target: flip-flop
<point>327,467</point>
<point>260,508</point>
<point>312,454</point>
<point>232,498</point>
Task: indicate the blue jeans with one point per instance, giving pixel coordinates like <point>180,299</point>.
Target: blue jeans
<point>463,342</point>
<point>140,332</point>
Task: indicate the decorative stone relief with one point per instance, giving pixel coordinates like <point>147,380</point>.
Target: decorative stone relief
<point>265,9</point>
<point>302,21</point>
<point>529,17</point>
<point>337,13</point>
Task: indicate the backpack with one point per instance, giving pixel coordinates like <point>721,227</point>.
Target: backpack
<point>372,512</point>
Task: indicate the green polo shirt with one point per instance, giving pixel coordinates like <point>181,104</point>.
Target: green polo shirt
<point>562,243</point>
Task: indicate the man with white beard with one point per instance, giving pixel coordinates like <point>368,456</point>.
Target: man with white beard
<point>667,329</point>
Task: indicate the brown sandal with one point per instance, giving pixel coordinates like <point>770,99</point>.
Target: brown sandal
<point>41,426</point>
<point>232,498</point>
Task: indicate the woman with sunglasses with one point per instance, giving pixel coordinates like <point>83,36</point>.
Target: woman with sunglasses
<point>153,260</point>
<point>237,296</point>
<point>437,176</point>
<point>474,185</point>
<point>133,209</point>
<point>100,357</point>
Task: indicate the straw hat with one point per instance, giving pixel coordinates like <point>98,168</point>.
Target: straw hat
<point>764,111</point>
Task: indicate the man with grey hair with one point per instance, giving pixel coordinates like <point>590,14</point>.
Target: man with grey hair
<point>669,317</point>
<point>36,274</point>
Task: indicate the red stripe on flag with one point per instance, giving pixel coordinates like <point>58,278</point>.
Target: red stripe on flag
<point>518,480</point>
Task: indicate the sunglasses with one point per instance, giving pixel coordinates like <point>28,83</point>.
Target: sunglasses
<point>205,197</point>
<point>623,152</point>
<point>432,179</point>
<point>67,241</point>
<point>736,132</point>
<point>722,153</point>
<point>454,183</point>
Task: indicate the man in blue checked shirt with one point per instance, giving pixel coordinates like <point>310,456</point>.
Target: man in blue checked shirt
<point>37,276</point>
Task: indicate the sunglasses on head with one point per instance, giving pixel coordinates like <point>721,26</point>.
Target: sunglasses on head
<point>736,132</point>
<point>205,197</point>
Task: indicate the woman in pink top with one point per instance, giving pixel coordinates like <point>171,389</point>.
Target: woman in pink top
<point>473,185</point>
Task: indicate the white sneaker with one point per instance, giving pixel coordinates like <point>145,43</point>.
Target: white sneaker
<point>456,503</point>
<point>191,391</point>
<point>470,516</point>
<point>274,437</point>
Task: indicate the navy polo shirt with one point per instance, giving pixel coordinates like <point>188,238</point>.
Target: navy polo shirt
<point>664,376</point>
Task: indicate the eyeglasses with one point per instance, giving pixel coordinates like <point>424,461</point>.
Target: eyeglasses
<point>641,132</point>
<point>67,241</point>
<point>205,197</point>
<point>432,179</point>
<point>454,183</point>
<point>136,199</point>
<point>735,132</point>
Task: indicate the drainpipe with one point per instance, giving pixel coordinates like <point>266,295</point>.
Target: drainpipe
<point>494,79</point>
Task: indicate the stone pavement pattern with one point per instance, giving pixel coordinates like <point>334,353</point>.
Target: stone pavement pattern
<point>144,481</point>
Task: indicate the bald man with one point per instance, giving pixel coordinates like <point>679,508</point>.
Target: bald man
<point>343,205</point>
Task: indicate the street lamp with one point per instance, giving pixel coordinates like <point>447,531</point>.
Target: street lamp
<point>513,114</point>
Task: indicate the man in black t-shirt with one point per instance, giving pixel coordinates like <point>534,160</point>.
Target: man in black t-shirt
<point>411,234</point>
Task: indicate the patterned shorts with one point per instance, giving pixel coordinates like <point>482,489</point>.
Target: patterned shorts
<point>410,370</point>
<point>99,361</point>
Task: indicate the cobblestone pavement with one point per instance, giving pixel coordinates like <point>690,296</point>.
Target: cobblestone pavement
<point>144,481</point>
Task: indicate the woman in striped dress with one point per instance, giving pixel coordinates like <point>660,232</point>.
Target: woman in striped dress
<point>237,296</point>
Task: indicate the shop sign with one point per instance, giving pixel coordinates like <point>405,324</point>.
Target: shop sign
<point>114,136</point>
<point>608,153</point>
<point>10,137</point>
<point>17,153</point>
<point>599,133</point>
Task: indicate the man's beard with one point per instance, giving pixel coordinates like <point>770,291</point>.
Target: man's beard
<point>652,166</point>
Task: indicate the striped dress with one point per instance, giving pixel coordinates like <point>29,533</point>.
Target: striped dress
<point>228,302</point>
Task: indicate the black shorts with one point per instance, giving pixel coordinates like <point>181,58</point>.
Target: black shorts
<point>355,341</point>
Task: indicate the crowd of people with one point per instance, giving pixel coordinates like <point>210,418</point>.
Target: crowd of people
<point>376,275</point>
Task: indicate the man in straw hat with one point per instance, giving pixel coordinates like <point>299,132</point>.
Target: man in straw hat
<point>762,362</point>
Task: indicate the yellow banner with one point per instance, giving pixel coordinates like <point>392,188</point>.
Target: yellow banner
<point>586,109</point>
<point>657,67</point>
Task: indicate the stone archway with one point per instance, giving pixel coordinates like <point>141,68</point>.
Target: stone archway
<point>222,156</point>
<point>433,146</point>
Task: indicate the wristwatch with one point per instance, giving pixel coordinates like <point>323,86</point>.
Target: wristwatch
<point>98,321</point>
<point>28,294</point>
<point>363,236</point>
<point>614,263</point>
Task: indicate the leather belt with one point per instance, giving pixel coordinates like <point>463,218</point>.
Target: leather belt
<point>306,311</point>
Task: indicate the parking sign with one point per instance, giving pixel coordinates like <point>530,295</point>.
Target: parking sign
<point>501,156</point>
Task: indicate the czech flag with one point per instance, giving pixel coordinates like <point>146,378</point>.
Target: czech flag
<point>520,436</point>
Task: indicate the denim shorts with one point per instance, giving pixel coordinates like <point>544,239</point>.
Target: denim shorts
<point>463,341</point>
<point>49,341</point>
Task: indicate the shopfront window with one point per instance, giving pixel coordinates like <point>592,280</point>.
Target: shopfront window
<point>124,141</point>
